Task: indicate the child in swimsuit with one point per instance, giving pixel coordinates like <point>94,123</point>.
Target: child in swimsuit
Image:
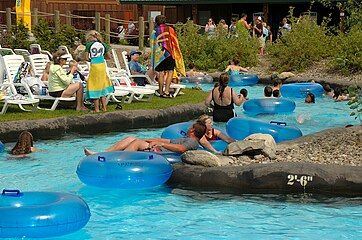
<point>211,134</point>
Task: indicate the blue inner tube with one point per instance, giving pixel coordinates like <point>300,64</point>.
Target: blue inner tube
<point>243,80</point>
<point>269,106</point>
<point>124,170</point>
<point>240,127</point>
<point>179,130</point>
<point>199,79</point>
<point>41,214</point>
<point>2,147</point>
<point>172,157</point>
<point>300,90</point>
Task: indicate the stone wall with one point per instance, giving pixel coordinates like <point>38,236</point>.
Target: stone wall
<point>100,123</point>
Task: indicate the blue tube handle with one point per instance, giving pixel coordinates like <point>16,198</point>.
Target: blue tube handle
<point>101,159</point>
<point>183,133</point>
<point>10,192</point>
<point>279,123</point>
<point>150,157</point>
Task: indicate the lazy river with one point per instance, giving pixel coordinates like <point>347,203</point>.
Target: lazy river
<point>166,213</point>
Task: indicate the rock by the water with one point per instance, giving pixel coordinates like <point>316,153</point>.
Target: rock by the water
<point>201,158</point>
<point>254,144</point>
<point>285,75</point>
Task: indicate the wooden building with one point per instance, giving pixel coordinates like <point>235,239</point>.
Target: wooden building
<point>86,8</point>
<point>272,11</point>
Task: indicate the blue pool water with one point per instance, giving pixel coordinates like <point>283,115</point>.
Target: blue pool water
<point>165,213</point>
<point>324,114</point>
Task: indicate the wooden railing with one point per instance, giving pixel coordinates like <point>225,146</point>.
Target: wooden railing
<point>100,23</point>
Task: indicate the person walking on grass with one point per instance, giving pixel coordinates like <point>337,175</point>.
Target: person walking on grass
<point>98,84</point>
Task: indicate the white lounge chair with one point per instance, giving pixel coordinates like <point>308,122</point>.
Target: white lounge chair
<point>123,83</point>
<point>38,63</point>
<point>11,64</point>
<point>36,49</point>
<point>23,52</point>
<point>152,84</point>
<point>6,51</point>
<point>121,96</point>
<point>12,97</point>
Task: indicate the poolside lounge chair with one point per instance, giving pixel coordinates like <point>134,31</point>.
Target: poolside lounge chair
<point>8,90</point>
<point>152,84</point>
<point>23,52</point>
<point>6,51</point>
<point>36,49</point>
<point>38,63</point>
<point>123,83</point>
<point>12,64</point>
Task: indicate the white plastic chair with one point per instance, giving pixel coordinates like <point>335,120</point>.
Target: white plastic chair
<point>152,85</point>
<point>6,51</point>
<point>11,64</point>
<point>122,83</point>
<point>38,63</point>
<point>23,52</point>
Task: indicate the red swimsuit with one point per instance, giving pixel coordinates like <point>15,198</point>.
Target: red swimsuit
<point>213,136</point>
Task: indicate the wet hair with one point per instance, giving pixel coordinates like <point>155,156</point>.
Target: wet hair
<point>216,84</point>
<point>277,82</point>
<point>244,92</point>
<point>57,56</point>
<point>191,65</point>
<point>312,97</point>
<point>337,92</point>
<point>223,83</point>
<point>160,19</point>
<point>235,61</point>
<point>276,93</point>
<point>203,118</point>
<point>199,129</point>
<point>24,144</point>
<point>327,88</point>
<point>268,91</point>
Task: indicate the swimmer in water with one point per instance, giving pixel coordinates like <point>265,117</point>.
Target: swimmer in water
<point>310,98</point>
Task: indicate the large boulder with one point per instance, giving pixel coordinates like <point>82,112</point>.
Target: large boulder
<point>205,158</point>
<point>254,144</point>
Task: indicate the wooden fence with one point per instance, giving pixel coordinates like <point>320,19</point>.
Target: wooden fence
<point>99,23</point>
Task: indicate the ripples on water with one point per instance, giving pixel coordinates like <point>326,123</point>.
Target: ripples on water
<point>165,213</point>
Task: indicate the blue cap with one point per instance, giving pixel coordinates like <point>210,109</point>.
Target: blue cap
<point>135,52</point>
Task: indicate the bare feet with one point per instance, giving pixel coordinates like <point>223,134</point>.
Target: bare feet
<point>88,152</point>
<point>82,109</point>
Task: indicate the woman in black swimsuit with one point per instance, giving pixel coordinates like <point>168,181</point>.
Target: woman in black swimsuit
<point>224,99</point>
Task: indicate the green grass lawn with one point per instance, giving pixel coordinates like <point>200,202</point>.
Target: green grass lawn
<point>191,96</point>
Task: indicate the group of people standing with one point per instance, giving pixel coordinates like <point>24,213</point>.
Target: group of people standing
<point>258,28</point>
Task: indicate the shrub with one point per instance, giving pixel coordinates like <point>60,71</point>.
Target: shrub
<point>355,104</point>
<point>18,37</point>
<point>347,55</point>
<point>214,53</point>
<point>49,40</point>
<point>306,43</point>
